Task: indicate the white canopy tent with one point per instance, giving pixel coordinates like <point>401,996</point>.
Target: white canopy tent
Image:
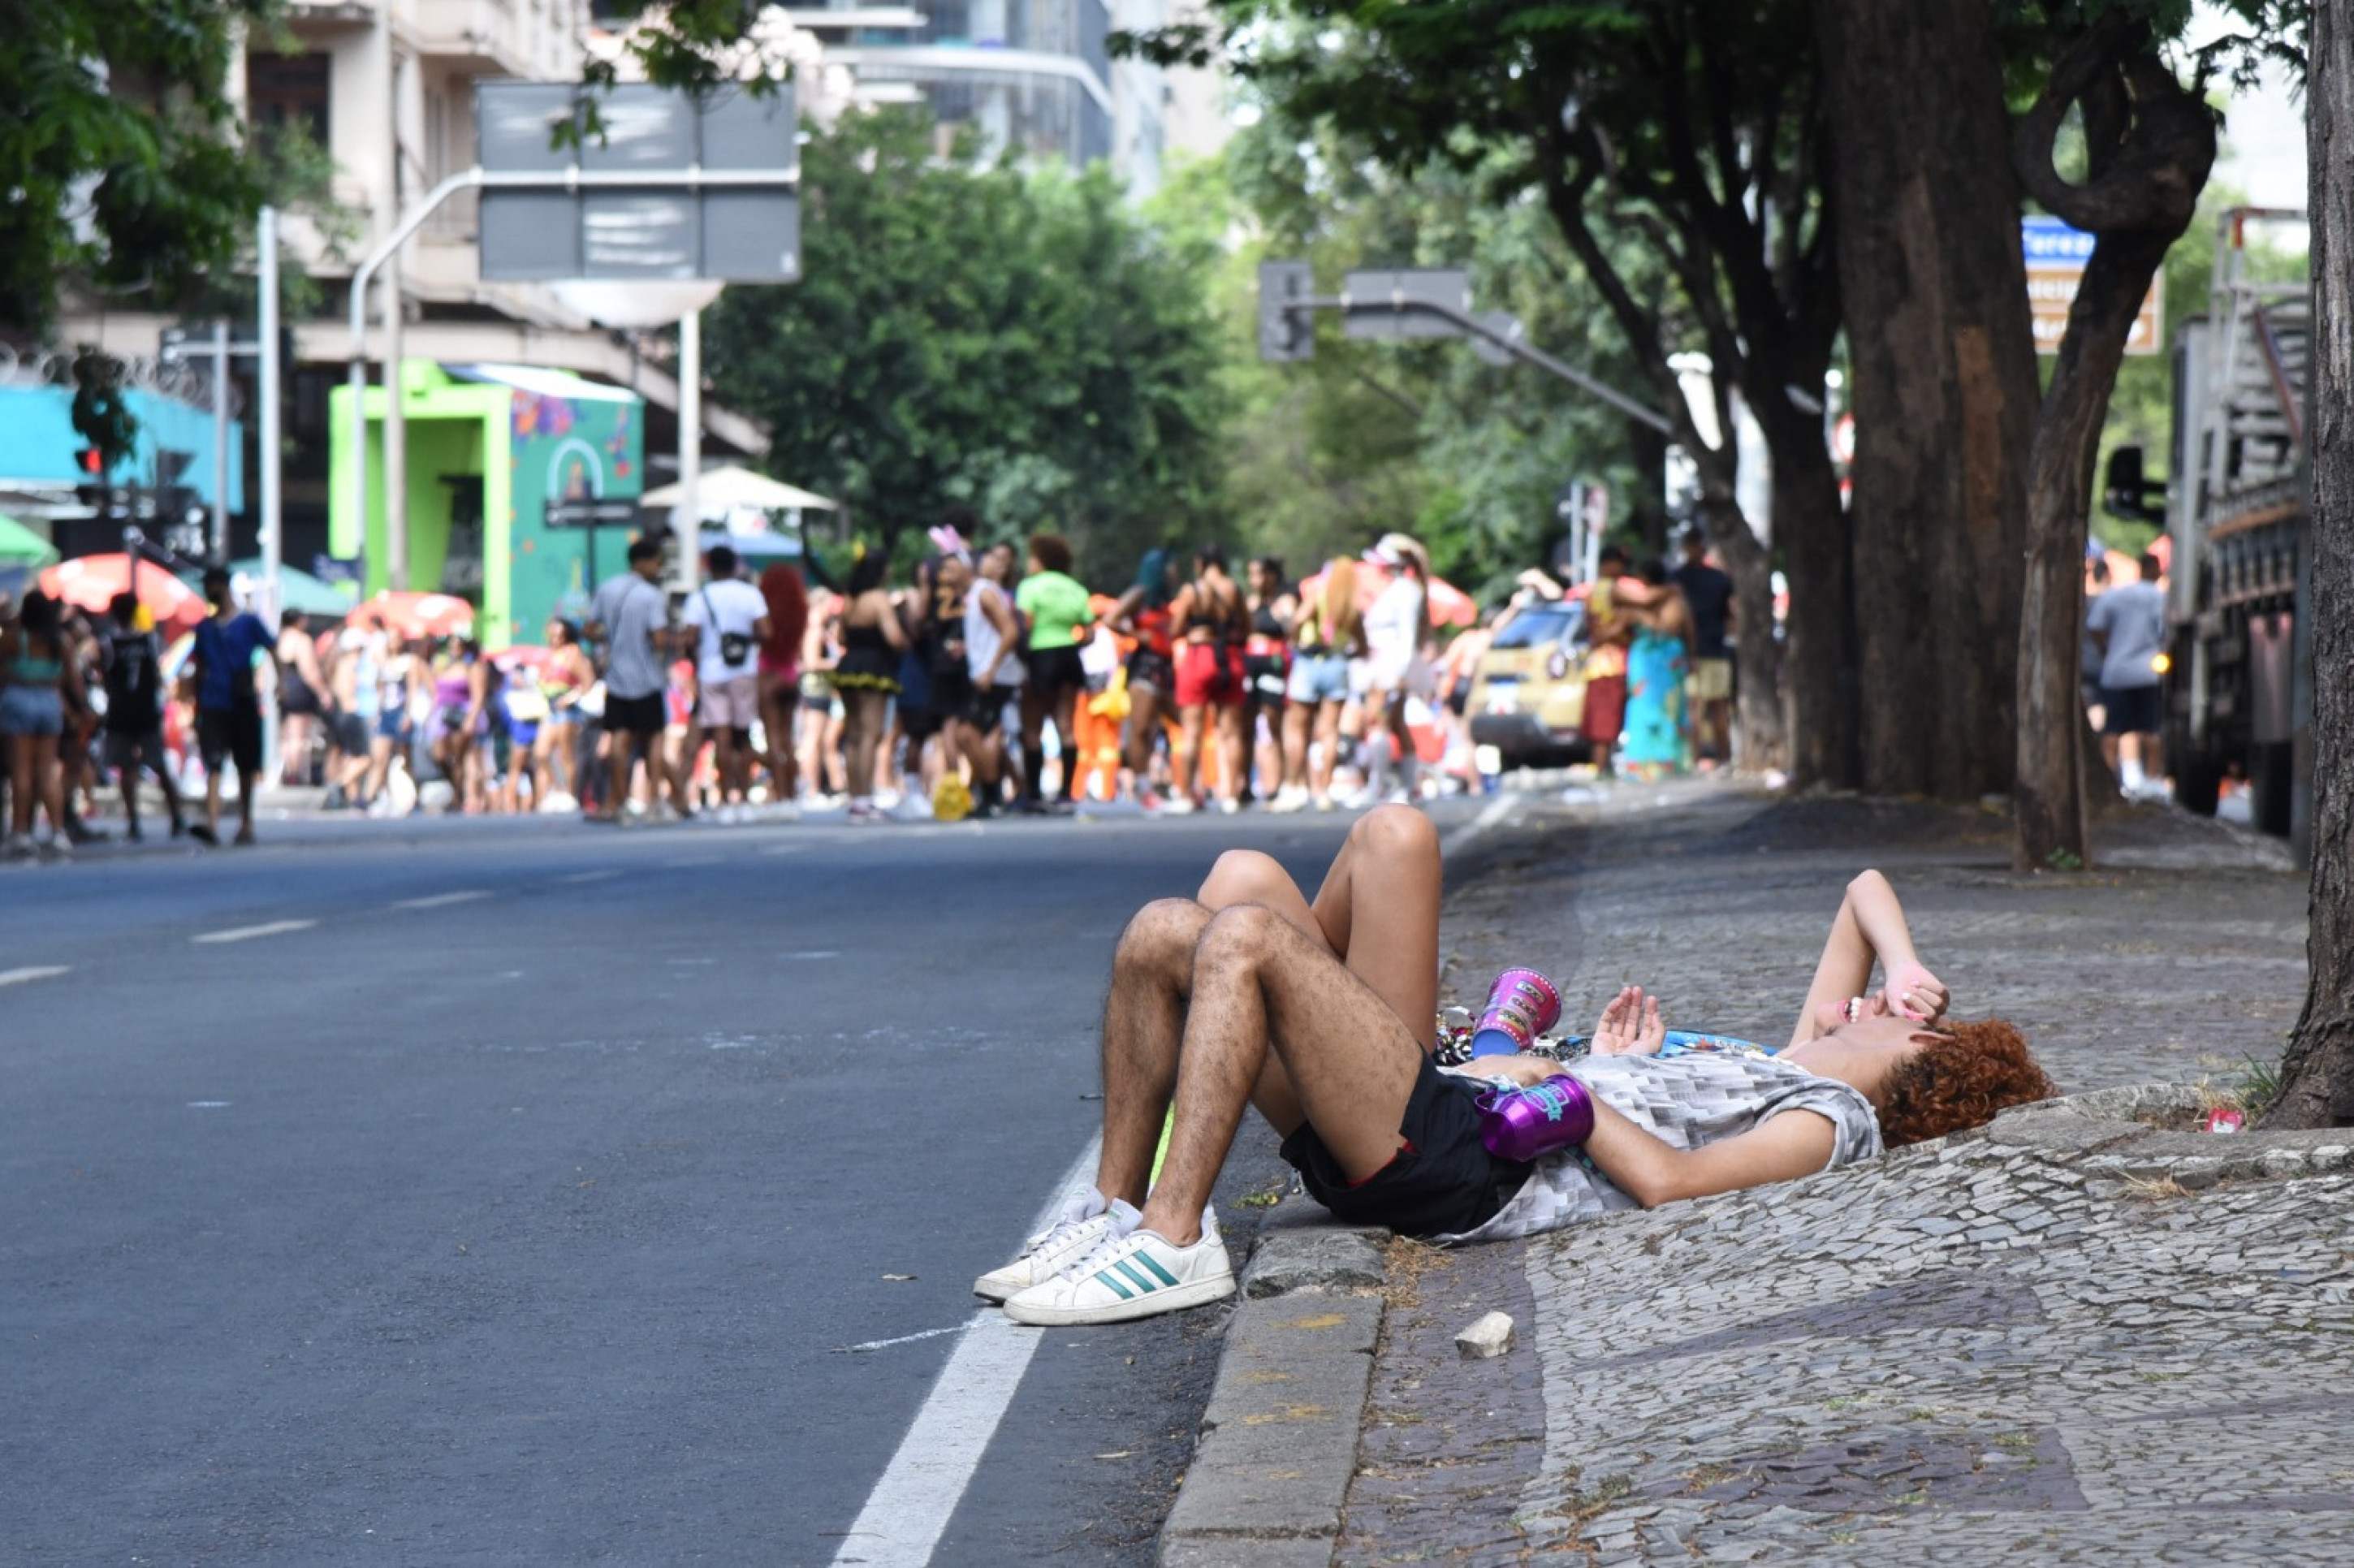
<point>720,492</point>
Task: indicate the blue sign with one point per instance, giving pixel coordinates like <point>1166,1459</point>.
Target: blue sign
<point>2048,242</point>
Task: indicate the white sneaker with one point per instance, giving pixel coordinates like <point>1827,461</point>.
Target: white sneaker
<point>1138,1276</point>
<point>1229,805</point>
<point>1084,1223</point>
<point>1290,799</point>
<point>1180,806</point>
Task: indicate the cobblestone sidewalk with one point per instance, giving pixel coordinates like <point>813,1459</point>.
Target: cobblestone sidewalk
<point>2074,1338</point>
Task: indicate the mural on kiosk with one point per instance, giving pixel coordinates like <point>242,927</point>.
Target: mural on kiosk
<point>567,449</point>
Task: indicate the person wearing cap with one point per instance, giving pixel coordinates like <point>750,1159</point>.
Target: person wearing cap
<point>1397,624</point>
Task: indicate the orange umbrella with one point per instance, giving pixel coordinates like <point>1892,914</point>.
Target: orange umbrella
<point>92,581</point>
<point>409,614</point>
<point>1449,605</point>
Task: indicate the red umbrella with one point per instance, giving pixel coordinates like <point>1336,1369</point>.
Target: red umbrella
<point>1449,605</point>
<point>407,614</point>
<point>92,581</point>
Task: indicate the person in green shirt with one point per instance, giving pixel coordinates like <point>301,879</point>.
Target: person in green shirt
<point>1054,608</point>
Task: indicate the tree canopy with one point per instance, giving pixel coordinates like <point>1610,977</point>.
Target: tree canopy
<point>1018,342</point>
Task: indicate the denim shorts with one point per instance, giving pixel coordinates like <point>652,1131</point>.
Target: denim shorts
<point>1320,678</point>
<point>31,710</point>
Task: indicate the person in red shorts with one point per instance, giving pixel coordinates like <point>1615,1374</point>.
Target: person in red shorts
<point>1608,634</point>
<point>1212,621</point>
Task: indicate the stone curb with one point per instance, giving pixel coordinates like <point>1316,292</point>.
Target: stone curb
<point>2100,1132</point>
<point>1279,1442</point>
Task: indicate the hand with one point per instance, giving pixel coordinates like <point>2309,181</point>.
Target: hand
<point>1914,993</point>
<point>1629,1025</point>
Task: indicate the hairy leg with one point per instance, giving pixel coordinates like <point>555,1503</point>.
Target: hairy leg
<point>1144,1018</point>
<point>1262,987</point>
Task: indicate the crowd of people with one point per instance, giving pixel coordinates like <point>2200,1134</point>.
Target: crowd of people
<point>997,682</point>
<point>994,681</point>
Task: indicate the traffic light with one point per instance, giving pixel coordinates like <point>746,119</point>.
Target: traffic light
<point>91,491</point>
<point>1286,331</point>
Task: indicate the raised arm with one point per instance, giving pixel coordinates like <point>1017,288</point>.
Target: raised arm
<point>1870,924</point>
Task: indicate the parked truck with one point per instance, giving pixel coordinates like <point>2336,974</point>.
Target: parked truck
<point>2235,509</point>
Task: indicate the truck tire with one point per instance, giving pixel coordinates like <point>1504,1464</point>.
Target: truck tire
<point>2272,777</point>
<point>2198,781</point>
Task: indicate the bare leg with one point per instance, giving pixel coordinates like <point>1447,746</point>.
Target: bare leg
<point>1298,720</point>
<point>1188,761</point>
<point>1262,986</point>
<point>1377,912</point>
<point>1233,760</point>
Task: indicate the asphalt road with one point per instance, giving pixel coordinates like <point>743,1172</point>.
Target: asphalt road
<point>516,1192</point>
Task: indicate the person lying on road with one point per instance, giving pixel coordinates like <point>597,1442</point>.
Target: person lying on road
<point>1323,1015</point>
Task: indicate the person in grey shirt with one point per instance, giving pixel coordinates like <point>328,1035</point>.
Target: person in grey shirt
<point>630,618</point>
<point>2129,622</point>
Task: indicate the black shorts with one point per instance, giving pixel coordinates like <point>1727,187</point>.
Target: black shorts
<point>1443,1182</point>
<point>987,710</point>
<point>1055,670</point>
<point>639,718</point>
<point>1147,669</point>
<point>234,733</point>
<point>351,734</point>
<point>2132,710</point>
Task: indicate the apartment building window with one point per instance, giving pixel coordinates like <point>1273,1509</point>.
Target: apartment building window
<point>291,90</point>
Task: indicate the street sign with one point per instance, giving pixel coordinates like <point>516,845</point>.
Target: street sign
<point>1503,323</point>
<point>593,513</point>
<point>2056,256</point>
<point>648,210</point>
<point>1284,333</point>
<point>1376,302</point>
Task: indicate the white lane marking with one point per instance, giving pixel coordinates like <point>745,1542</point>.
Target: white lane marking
<point>965,1327</point>
<point>38,971</point>
<point>690,864</point>
<point>443,900</point>
<point>1478,825</point>
<point>247,933</point>
<point>784,849</point>
<point>825,954</point>
<point>209,1105</point>
<point>910,1504</point>
<point>578,878</point>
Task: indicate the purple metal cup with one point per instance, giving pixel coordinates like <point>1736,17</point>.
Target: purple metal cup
<point>1521,1005</point>
<point>1527,1124</point>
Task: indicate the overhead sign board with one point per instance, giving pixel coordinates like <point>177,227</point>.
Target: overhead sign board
<point>2056,256</point>
<point>1378,302</point>
<point>648,212</point>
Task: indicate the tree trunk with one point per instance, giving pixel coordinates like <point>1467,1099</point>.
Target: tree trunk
<point>1819,672</point>
<point>1944,386</point>
<point>2048,793</point>
<point>2318,1074</point>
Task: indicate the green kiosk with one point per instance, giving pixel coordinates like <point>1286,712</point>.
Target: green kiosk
<point>522,488</point>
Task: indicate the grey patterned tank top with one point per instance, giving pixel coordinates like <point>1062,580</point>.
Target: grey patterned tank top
<point>1685,1102</point>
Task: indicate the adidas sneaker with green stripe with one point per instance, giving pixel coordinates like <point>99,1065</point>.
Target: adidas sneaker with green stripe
<point>1139,1275</point>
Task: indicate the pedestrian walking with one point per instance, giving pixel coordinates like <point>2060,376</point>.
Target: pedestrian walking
<point>2129,623</point>
<point>1608,634</point>
<point>1142,614</point>
<point>787,598</point>
<point>867,676</point>
<point>36,666</point>
<point>1273,604</point>
<point>1655,743</point>
<point>302,705</point>
<point>630,620</point>
<point>1708,594</point>
<point>992,651</point>
<point>1211,624</point>
<point>229,643</point>
<point>134,712</point>
<point>728,619</point>
<point>1396,625</point>
<point>1328,632</point>
<point>564,682</point>
<point>1055,606</point>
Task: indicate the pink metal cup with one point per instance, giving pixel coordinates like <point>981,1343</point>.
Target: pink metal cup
<point>1528,1124</point>
<point>1521,1005</point>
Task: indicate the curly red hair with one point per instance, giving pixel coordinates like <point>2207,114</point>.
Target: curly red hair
<point>1963,1074</point>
